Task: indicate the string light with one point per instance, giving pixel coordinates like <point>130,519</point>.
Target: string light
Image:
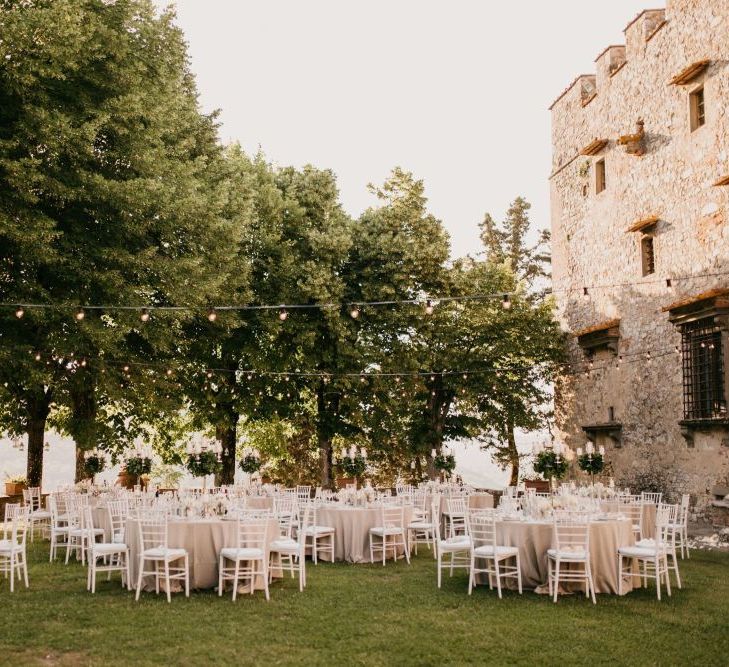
<point>144,316</point>
<point>37,356</point>
<point>169,372</point>
<point>282,314</point>
<point>354,312</point>
<point>212,314</point>
<point>428,307</point>
<point>506,302</point>
<point>19,312</point>
<point>80,314</point>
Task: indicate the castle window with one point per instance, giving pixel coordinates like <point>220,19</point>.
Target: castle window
<point>703,370</point>
<point>600,176</point>
<point>697,108</point>
<point>647,256</point>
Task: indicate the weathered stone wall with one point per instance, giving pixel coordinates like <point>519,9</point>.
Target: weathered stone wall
<point>672,180</point>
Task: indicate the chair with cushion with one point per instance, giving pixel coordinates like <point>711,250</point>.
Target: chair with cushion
<point>454,514</point>
<point>499,562</point>
<point>80,536</point>
<point>315,533</point>
<point>13,557</point>
<point>154,548</point>
<point>59,524</point>
<point>651,555</point>
<point>37,515</point>
<point>390,533</point>
<point>571,548</point>
<point>421,529</point>
<point>248,559</point>
<point>293,551</point>
<point>115,557</point>
<point>458,547</point>
<point>117,512</point>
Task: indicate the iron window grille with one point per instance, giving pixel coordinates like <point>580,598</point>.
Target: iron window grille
<point>703,370</point>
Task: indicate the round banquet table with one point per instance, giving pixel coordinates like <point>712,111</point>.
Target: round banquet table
<point>533,538</point>
<point>202,539</point>
<point>352,530</point>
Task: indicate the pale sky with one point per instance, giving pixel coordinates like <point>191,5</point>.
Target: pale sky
<point>455,91</point>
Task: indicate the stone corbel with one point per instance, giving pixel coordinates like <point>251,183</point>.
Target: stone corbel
<point>612,430</point>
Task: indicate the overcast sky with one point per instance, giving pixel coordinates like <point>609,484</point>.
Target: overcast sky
<point>455,91</point>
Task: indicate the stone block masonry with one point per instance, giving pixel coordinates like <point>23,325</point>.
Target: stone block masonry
<point>640,218</point>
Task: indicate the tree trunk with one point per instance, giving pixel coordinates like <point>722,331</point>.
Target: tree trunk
<point>227,436</point>
<point>38,409</point>
<point>326,478</point>
<point>83,420</point>
<point>513,453</point>
<point>80,465</point>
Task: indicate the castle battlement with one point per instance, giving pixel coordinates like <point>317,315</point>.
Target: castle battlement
<point>640,223</point>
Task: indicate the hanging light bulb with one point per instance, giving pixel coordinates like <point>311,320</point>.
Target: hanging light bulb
<point>19,312</point>
<point>212,314</point>
<point>169,372</point>
<point>37,356</point>
<point>144,315</point>
<point>282,314</point>
<point>428,307</point>
<point>354,312</point>
<point>80,314</point>
<point>465,376</point>
<point>506,302</point>
<point>126,369</point>
<point>83,362</point>
<point>362,379</point>
<point>209,374</point>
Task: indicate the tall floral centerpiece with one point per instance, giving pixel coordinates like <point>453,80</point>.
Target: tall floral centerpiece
<point>203,457</point>
<point>591,462</point>
<point>250,462</point>
<point>94,463</point>
<point>352,464</point>
<point>138,463</point>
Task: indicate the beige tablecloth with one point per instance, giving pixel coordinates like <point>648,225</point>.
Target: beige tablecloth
<point>202,539</point>
<point>534,538</point>
<point>648,512</point>
<point>352,530</point>
<point>259,502</point>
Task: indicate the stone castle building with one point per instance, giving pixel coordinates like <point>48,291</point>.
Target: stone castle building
<point>640,241</point>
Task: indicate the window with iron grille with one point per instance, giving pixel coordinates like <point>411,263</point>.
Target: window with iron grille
<point>703,371</point>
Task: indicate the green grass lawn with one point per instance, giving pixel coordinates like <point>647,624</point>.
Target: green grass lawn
<point>362,615</point>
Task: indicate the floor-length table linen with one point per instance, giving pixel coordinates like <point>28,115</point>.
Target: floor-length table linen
<point>352,530</point>
<point>203,539</point>
<point>534,538</point>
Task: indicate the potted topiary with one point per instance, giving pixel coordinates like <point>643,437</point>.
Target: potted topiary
<point>14,486</point>
<point>137,465</point>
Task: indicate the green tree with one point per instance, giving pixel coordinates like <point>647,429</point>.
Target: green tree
<point>107,175</point>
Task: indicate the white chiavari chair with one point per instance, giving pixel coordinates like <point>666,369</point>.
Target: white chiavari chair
<point>303,493</point>
<point>390,534</point>
<point>497,559</point>
<point>59,524</point>
<point>649,497</point>
<point>80,535</point>
<point>457,546</point>
<point>421,529</point>
<point>154,548</point>
<point>571,548</point>
<point>315,533</point>
<point>293,550</point>
<point>37,515</point>
<point>13,556</point>
<point>115,557</point>
<point>285,509</point>
<point>117,512</point>
<point>652,556</point>
<point>632,508</point>
<point>680,527</point>
<point>454,514</point>
<point>248,558</point>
